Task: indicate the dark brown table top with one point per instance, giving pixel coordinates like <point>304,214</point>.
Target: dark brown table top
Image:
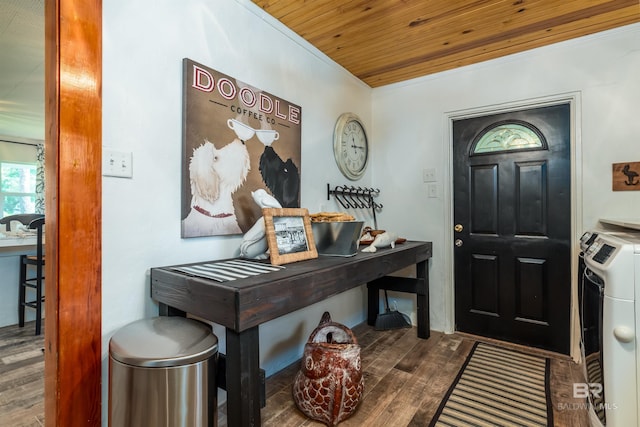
<point>244,303</point>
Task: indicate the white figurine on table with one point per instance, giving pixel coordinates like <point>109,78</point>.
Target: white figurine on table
<point>382,241</point>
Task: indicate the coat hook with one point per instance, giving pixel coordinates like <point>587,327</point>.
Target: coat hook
<point>357,192</point>
<point>364,198</point>
<point>348,196</point>
<point>343,203</point>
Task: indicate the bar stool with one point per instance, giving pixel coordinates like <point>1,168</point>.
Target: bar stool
<point>34,282</point>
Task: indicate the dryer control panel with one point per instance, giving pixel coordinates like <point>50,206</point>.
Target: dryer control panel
<point>603,253</point>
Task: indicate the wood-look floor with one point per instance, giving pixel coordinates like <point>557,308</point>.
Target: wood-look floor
<point>21,376</point>
<point>405,379</point>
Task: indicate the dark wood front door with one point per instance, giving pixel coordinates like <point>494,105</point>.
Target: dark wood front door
<point>512,216</point>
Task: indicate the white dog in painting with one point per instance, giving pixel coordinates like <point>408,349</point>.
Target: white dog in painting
<point>215,174</point>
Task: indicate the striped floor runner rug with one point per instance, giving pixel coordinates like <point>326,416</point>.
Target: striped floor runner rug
<point>498,387</point>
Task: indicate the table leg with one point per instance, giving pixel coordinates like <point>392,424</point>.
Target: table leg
<point>167,310</point>
<point>422,299</point>
<point>373,304</point>
<point>243,377</point>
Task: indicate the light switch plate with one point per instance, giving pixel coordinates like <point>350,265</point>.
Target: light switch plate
<point>432,190</point>
<point>117,163</point>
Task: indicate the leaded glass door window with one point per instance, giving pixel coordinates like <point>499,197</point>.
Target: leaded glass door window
<point>508,136</point>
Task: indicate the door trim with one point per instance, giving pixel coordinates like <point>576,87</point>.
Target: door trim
<point>575,101</point>
<point>73,143</point>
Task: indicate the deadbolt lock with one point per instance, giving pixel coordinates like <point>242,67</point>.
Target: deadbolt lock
<point>458,228</point>
<point>458,242</point>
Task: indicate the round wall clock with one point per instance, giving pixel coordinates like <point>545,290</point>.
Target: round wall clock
<point>350,146</point>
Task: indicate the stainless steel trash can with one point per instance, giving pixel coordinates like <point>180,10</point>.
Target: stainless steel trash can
<point>162,373</point>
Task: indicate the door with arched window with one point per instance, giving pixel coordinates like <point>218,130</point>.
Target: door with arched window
<point>512,216</point>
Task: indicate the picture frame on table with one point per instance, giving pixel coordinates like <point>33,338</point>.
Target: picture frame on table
<point>289,235</point>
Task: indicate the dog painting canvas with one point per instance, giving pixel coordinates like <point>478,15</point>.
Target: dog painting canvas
<point>236,139</point>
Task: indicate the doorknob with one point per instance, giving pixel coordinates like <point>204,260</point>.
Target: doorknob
<point>458,242</point>
<point>623,333</point>
<point>458,228</point>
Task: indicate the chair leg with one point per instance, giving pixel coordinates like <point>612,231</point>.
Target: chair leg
<point>22,291</point>
<point>38,300</point>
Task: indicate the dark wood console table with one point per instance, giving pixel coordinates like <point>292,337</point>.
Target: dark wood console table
<point>242,305</point>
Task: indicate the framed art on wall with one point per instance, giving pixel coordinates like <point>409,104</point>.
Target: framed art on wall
<point>236,139</point>
<point>289,235</point>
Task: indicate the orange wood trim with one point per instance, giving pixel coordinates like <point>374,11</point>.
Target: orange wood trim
<point>73,144</point>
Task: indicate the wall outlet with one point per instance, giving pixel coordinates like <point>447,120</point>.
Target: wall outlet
<point>117,163</point>
<point>429,175</point>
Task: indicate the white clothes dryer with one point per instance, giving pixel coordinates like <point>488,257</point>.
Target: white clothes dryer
<point>611,284</point>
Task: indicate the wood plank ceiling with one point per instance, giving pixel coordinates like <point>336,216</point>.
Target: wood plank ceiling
<point>387,41</point>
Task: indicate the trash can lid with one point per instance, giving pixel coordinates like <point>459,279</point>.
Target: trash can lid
<point>162,342</point>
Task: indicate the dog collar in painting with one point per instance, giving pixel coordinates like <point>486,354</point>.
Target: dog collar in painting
<point>207,213</point>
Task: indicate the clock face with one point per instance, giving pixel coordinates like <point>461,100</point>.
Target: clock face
<point>351,147</point>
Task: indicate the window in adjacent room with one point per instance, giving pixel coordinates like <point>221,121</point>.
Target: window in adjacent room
<point>17,188</point>
<point>21,176</point>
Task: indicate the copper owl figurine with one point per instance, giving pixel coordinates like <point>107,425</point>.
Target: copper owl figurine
<point>329,384</point>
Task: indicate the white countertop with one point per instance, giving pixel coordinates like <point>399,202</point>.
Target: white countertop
<point>17,239</point>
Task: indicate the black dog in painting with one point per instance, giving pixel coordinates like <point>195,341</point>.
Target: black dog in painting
<point>282,178</point>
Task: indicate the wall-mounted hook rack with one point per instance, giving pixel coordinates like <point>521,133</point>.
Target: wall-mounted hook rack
<point>351,197</point>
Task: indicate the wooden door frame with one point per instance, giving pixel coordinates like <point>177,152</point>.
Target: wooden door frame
<point>574,100</point>
<point>73,207</point>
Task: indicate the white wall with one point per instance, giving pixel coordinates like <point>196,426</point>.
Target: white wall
<point>144,43</point>
<point>411,133</point>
